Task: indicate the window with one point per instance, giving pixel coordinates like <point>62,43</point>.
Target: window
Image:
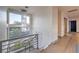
<point>14,18</point>
<point>18,25</point>
<point>27,19</point>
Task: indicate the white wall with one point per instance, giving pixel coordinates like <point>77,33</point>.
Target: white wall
<point>77,24</point>
<point>45,22</point>
<point>3,24</point>
<point>60,23</point>
<point>68,25</point>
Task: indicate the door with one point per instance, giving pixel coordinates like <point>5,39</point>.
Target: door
<point>72,26</point>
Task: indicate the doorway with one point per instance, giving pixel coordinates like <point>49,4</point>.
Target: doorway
<point>72,25</point>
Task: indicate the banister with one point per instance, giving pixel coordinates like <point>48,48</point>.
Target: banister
<point>13,41</point>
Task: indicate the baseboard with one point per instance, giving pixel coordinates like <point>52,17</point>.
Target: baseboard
<point>62,36</point>
<point>54,42</point>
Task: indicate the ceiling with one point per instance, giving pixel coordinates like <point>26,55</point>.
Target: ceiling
<point>71,11</point>
<point>30,9</point>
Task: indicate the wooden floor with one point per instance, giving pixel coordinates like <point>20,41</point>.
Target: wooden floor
<point>67,44</point>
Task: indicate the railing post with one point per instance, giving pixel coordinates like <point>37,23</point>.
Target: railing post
<point>29,46</point>
<point>37,40</point>
<point>0,47</point>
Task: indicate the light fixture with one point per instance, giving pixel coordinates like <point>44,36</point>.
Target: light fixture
<point>73,10</point>
<point>23,10</point>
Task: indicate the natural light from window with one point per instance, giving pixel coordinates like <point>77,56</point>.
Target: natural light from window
<point>28,20</point>
<point>14,18</point>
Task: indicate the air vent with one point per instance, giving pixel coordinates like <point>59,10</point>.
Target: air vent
<point>73,10</point>
<point>23,10</point>
<point>26,6</point>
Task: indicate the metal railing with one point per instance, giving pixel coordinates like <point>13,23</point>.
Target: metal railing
<point>18,45</point>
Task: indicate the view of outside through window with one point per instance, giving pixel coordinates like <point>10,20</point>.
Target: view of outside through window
<point>19,25</point>
<point>14,18</point>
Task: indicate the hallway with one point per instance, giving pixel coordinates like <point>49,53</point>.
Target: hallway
<point>49,23</point>
<point>67,44</point>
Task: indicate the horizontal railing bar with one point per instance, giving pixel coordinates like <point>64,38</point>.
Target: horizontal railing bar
<point>20,43</point>
<point>15,42</point>
<point>17,48</point>
<point>18,38</point>
<point>24,46</point>
<point>20,48</point>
